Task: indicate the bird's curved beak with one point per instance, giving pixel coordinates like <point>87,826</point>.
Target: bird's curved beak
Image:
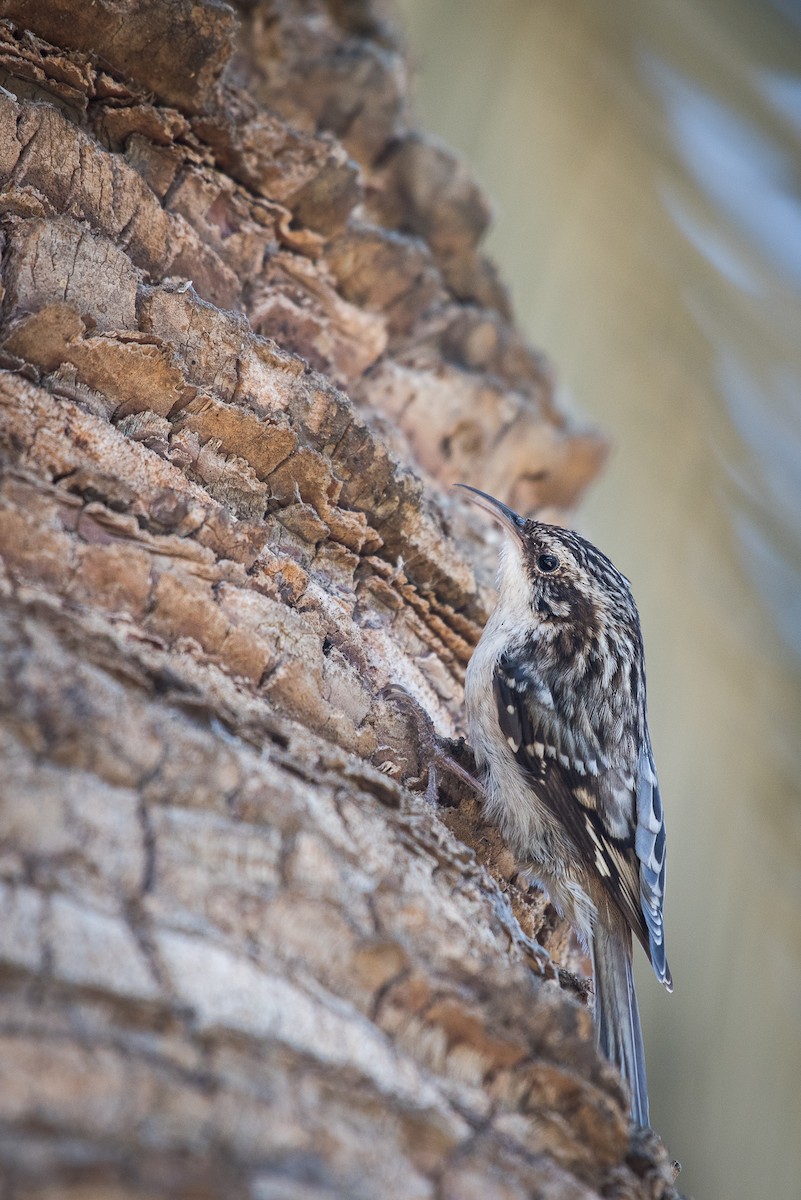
<point>506,517</point>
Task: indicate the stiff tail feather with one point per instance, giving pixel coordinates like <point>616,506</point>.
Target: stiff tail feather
<point>617,1018</point>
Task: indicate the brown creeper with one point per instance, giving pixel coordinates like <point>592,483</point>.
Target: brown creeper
<point>555,698</point>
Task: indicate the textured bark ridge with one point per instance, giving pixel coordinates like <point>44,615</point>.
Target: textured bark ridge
<point>247,340</point>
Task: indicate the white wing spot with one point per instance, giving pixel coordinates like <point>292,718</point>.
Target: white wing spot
<point>515,745</point>
<point>510,708</point>
<point>593,835</point>
<point>539,749</point>
<point>564,760</point>
<point>601,864</point>
<point>550,751</point>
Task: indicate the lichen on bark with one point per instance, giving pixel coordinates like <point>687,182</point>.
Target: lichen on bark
<point>247,340</point>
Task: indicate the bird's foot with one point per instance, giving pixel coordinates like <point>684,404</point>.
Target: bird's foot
<point>439,755</point>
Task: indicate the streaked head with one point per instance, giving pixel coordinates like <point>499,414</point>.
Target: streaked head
<point>554,573</point>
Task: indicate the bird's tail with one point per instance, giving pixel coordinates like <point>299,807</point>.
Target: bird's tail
<point>617,1018</point>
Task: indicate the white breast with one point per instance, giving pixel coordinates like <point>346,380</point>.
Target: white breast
<point>511,801</point>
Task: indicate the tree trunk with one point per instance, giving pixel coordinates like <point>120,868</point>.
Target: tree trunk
<point>247,341</point>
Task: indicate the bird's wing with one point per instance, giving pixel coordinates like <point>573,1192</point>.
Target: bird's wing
<point>608,809</point>
<point>649,842</point>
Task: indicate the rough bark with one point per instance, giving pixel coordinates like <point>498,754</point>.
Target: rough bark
<point>247,339</point>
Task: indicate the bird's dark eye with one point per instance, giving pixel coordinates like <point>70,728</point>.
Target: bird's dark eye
<point>547,562</point>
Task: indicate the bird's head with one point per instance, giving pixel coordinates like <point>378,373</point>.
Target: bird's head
<point>551,576</point>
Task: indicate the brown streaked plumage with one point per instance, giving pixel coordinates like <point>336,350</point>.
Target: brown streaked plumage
<point>555,697</point>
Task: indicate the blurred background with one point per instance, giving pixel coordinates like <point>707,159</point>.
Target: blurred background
<point>645,160</point>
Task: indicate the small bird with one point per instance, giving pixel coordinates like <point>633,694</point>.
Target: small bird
<point>557,718</point>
